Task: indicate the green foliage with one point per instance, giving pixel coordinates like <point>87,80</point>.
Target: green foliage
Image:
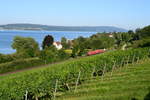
<point>130,32</point>
<point>123,39</point>
<point>42,81</point>
<point>62,55</point>
<point>75,51</point>
<point>145,32</point>
<point>126,83</point>
<point>6,58</point>
<point>25,46</point>
<point>141,38</point>
<point>79,46</point>
<point>11,57</point>
<point>96,43</point>
<point>142,43</point>
<point>51,54</point>
<point>147,97</point>
<point>20,64</point>
<point>102,41</point>
<point>65,43</point>
<point>48,41</point>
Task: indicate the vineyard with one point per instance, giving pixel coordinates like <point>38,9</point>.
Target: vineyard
<point>128,83</point>
<point>45,82</point>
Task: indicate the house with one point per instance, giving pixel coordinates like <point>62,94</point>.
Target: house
<point>110,34</point>
<point>58,45</point>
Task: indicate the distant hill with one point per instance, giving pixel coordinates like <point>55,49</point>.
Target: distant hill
<point>61,28</point>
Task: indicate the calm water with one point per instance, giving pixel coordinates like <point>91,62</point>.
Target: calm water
<point>6,37</point>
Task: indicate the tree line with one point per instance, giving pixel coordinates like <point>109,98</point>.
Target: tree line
<point>27,47</point>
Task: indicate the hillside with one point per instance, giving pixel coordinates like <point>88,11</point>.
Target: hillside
<point>43,83</point>
<point>129,83</point>
<point>61,28</point>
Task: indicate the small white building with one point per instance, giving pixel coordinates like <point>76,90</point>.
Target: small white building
<point>58,45</point>
<point>110,35</point>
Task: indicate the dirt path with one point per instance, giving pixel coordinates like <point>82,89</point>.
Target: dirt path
<point>41,66</point>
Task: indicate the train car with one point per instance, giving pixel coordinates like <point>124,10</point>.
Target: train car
<point>95,52</point>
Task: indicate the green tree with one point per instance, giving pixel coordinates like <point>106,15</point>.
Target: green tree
<point>25,46</point>
<point>96,43</point>
<point>102,41</point>
<point>75,51</point>
<point>142,43</point>
<point>142,37</point>
<point>130,32</point>
<point>49,54</point>
<point>61,55</point>
<point>123,39</point>
<point>79,46</point>
<point>66,44</point>
<point>145,32</point>
<point>107,42</point>
<point>48,41</point>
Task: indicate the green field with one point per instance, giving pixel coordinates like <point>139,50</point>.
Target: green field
<point>132,81</point>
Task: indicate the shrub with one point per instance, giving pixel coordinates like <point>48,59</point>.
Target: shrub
<point>6,58</point>
<point>20,64</point>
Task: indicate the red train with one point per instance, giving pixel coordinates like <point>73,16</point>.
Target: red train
<point>95,52</point>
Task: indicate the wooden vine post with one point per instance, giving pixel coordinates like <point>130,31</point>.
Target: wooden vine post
<point>113,68</point>
<point>26,95</point>
<point>77,81</point>
<point>145,57</point>
<point>103,71</point>
<point>128,60</point>
<point>138,58</point>
<point>93,72</point>
<point>133,59</point>
<point>56,84</point>
<point>122,63</point>
<point>36,97</point>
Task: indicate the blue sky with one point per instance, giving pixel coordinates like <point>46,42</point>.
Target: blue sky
<point>129,14</point>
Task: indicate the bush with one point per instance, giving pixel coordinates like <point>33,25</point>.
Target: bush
<point>51,54</point>
<point>20,64</point>
<point>142,43</point>
<point>62,55</point>
<point>6,58</point>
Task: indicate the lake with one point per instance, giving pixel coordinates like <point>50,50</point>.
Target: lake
<point>6,37</point>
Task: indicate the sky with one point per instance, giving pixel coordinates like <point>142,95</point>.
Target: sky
<point>128,14</point>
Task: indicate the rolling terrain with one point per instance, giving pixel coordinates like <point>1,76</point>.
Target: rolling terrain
<point>61,28</point>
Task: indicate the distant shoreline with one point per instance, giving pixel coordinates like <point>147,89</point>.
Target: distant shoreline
<point>38,27</point>
<point>44,30</point>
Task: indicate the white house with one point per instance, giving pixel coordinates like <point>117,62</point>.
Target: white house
<point>58,45</point>
<point>110,35</point>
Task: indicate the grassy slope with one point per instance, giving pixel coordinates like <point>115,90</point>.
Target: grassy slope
<point>129,82</point>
